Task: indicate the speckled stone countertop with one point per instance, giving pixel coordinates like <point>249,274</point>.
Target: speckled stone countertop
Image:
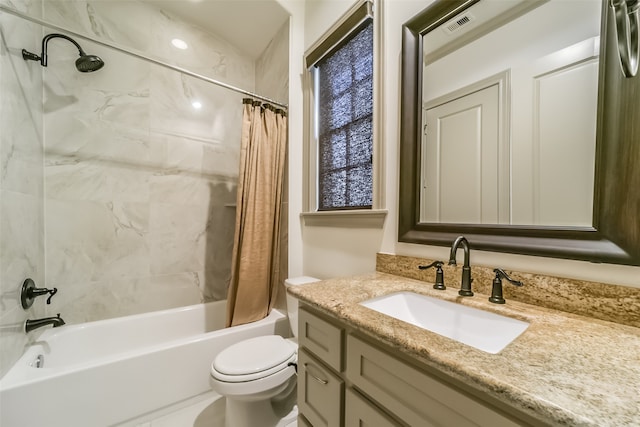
<point>565,369</point>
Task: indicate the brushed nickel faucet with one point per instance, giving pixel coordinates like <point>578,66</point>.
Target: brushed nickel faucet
<point>465,288</point>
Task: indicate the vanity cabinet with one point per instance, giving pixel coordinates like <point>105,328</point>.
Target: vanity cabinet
<point>320,385</point>
<point>346,379</point>
<point>322,396</point>
<point>415,397</point>
<point>360,412</point>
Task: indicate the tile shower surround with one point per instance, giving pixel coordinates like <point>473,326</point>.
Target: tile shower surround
<point>138,183</point>
<point>139,187</point>
<point>21,182</point>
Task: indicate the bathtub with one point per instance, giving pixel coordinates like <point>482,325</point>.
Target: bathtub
<point>107,372</point>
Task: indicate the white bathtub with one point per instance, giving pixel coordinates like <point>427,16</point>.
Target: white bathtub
<point>106,372</point>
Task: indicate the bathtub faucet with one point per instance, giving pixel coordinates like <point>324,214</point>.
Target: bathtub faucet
<point>30,325</point>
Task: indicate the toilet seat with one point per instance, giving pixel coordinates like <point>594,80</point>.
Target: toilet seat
<point>257,377</point>
<point>253,359</point>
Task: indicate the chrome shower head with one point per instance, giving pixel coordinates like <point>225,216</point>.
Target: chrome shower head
<point>84,64</point>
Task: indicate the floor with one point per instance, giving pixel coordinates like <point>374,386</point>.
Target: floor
<point>205,410</point>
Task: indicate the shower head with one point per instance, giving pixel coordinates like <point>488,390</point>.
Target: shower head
<point>89,63</point>
<point>84,64</point>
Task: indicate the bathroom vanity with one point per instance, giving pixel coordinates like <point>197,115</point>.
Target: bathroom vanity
<point>343,372</point>
<point>359,367</point>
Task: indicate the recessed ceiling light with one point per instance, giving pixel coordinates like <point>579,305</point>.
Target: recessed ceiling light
<point>180,44</point>
<point>196,104</point>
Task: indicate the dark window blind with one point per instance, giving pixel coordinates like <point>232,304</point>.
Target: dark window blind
<point>345,124</point>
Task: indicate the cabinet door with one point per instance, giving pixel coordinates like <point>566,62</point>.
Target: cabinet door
<point>302,422</point>
<point>468,124</point>
<point>321,338</point>
<point>360,413</point>
<point>320,392</point>
<point>412,395</point>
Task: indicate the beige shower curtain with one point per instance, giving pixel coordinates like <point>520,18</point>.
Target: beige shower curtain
<point>256,249</point>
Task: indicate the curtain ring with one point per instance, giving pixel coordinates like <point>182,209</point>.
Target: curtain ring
<point>627,17</point>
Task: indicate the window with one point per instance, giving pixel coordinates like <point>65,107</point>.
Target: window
<point>345,124</point>
<point>342,115</point>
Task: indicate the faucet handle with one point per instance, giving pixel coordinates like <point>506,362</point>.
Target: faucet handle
<point>439,274</point>
<point>30,292</point>
<point>496,289</point>
<point>52,292</point>
<point>500,273</point>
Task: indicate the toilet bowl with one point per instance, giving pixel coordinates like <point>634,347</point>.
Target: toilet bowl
<point>257,376</point>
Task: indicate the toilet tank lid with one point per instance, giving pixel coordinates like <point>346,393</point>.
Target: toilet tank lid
<point>294,281</point>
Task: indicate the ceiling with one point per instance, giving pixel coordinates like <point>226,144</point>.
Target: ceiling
<point>247,24</point>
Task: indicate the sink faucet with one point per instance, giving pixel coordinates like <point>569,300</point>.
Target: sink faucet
<point>465,289</point>
<point>30,325</point>
<point>496,290</point>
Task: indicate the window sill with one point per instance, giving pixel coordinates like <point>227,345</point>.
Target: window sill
<point>369,218</point>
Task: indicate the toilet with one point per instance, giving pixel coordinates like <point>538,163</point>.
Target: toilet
<point>257,376</point>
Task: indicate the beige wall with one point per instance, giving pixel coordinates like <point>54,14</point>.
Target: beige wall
<point>339,251</point>
<point>320,15</point>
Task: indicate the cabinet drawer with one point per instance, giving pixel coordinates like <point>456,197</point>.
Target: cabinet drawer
<point>321,338</point>
<point>320,392</point>
<point>414,396</point>
<point>359,412</point>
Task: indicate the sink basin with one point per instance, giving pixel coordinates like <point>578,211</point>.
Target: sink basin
<point>481,329</point>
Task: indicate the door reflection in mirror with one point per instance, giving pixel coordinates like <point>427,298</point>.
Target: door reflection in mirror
<point>518,148</point>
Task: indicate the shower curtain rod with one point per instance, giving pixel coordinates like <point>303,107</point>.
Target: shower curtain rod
<point>144,57</point>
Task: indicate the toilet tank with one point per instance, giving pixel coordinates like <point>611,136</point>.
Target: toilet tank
<point>292,302</point>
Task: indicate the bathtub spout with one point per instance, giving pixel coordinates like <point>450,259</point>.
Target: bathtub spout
<point>30,325</point>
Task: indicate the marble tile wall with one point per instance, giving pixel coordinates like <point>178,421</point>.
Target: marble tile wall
<point>138,182</point>
<point>272,67</point>
<point>30,7</point>
<point>21,181</point>
<point>142,28</point>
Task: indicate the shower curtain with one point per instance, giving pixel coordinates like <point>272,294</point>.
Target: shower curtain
<point>255,262</point>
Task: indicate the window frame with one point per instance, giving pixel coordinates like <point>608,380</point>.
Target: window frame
<point>351,21</point>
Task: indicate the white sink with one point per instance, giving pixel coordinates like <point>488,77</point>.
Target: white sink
<point>481,329</point>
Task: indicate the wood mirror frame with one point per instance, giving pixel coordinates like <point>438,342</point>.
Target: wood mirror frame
<point>615,234</point>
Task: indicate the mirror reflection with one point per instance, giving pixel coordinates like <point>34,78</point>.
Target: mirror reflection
<point>509,106</point>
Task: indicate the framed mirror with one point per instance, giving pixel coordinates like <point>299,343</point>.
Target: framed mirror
<point>488,152</point>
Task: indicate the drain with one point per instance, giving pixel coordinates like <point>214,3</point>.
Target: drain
<point>38,362</point>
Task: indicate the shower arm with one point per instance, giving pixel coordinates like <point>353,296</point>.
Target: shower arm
<point>43,58</point>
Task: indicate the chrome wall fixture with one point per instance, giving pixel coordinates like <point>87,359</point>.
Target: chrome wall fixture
<point>627,17</point>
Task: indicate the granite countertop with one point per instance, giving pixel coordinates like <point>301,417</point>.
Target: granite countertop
<point>565,369</point>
